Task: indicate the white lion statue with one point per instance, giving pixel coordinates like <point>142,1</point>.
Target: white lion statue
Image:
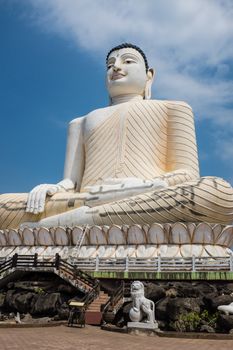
<point>143,309</point>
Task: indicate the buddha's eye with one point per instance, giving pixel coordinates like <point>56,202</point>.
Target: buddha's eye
<point>129,61</point>
<point>109,66</point>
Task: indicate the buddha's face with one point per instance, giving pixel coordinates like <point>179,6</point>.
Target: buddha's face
<point>126,73</point>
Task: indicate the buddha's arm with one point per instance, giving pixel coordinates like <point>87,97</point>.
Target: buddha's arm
<point>182,158</point>
<point>74,165</point>
<point>74,161</point>
<point>120,188</point>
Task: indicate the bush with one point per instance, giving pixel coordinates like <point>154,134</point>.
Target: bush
<point>192,321</point>
<point>210,319</point>
<point>39,290</point>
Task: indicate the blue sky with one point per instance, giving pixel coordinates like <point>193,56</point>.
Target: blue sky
<point>52,61</point>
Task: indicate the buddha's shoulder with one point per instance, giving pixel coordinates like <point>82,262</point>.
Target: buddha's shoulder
<point>91,119</point>
<point>77,121</point>
<point>169,104</point>
<point>92,114</point>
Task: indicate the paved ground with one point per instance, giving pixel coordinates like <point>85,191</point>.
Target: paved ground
<point>93,338</point>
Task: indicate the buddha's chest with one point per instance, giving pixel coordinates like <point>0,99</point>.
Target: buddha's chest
<point>130,142</point>
<point>138,121</point>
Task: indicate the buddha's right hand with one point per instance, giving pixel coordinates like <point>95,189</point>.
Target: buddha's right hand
<point>112,190</point>
<point>36,198</point>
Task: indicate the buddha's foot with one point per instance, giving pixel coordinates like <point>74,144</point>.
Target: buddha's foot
<point>29,225</point>
<point>80,216</point>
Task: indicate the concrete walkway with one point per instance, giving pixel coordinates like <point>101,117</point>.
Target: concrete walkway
<point>93,338</point>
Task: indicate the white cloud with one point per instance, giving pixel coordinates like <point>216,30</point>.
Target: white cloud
<point>189,43</point>
<point>223,150</point>
<point>226,150</point>
<point>183,39</point>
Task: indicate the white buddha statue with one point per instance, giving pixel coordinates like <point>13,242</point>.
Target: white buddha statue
<point>134,161</point>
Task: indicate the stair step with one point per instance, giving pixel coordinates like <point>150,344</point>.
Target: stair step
<point>100,301</point>
<point>94,305</point>
<point>97,302</point>
<point>93,312</point>
<point>93,318</point>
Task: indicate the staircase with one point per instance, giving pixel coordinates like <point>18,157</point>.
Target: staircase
<point>94,310</point>
<point>94,298</point>
<point>26,263</point>
<point>78,278</point>
<point>121,295</point>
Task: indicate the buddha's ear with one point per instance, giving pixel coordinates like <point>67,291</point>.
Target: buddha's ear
<point>151,74</point>
<point>150,77</point>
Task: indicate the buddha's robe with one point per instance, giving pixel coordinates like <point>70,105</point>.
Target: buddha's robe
<point>147,140</point>
<point>144,140</point>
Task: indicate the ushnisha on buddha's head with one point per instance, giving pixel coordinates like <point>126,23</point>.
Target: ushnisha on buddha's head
<point>128,72</point>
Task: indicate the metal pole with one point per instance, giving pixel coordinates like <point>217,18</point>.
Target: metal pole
<point>57,261</point>
<point>35,259</point>
<point>159,263</point>
<point>14,260</point>
<point>193,263</point>
<point>231,262</point>
<point>97,263</point>
<point>127,263</point>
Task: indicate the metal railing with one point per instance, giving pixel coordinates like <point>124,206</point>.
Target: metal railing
<point>117,299</point>
<point>77,269</point>
<point>158,264</point>
<point>92,295</point>
<point>35,262</point>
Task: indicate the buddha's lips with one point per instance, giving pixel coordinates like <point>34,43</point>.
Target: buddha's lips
<point>117,76</point>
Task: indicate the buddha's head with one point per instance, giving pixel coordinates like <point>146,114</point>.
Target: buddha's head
<point>128,72</point>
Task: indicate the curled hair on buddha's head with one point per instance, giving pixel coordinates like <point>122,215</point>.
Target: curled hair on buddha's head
<point>125,46</point>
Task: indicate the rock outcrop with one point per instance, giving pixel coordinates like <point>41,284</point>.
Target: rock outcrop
<point>38,296</point>
<point>187,306</point>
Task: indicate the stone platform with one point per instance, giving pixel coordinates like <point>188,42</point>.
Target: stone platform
<point>146,241</point>
<point>142,325</point>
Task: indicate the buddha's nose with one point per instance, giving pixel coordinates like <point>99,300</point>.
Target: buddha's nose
<point>116,66</point>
